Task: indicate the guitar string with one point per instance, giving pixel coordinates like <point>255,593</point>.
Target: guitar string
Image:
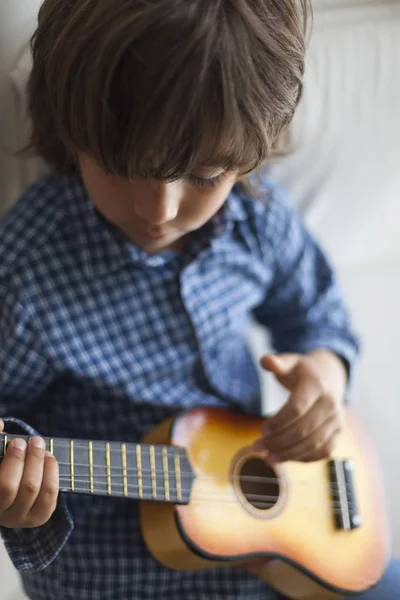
<point>157,471</point>
<point>131,471</point>
<point>148,489</point>
<point>336,488</point>
<point>241,478</point>
<point>198,500</point>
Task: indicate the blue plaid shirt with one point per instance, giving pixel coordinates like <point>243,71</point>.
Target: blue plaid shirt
<point>99,340</point>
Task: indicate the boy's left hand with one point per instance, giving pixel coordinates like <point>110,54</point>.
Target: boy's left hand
<point>307,426</point>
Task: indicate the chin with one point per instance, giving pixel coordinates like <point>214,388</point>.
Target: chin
<point>155,245</point>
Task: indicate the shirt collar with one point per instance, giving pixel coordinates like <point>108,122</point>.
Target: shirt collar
<point>103,249</point>
<point>233,208</point>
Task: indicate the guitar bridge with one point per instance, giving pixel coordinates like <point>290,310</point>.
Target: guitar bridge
<point>344,502</point>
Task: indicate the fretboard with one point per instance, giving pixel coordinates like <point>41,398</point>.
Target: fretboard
<point>139,471</point>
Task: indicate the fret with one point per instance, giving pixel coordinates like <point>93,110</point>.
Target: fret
<point>108,464</point>
<point>153,473</point>
<point>177,465</point>
<point>166,472</point>
<point>148,475</point>
<point>71,462</point>
<point>91,481</point>
<point>51,446</point>
<point>5,445</point>
<point>124,471</point>
<point>139,469</point>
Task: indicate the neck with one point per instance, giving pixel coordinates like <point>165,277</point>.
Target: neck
<point>138,471</point>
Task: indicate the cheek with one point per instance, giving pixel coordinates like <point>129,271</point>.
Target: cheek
<point>111,200</point>
<point>210,201</point>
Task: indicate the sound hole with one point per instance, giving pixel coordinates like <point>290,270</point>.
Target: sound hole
<point>259,484</point>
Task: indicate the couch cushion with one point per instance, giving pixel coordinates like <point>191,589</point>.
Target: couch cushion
<point>345,173</point>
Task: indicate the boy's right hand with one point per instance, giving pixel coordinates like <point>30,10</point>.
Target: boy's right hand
<point>29,483</point>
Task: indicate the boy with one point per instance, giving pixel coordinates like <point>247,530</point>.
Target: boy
<point>128,275</point>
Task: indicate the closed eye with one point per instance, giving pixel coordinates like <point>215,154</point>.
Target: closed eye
<point>202,182</point>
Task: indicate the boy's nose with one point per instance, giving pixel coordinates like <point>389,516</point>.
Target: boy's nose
<point>162,204</point>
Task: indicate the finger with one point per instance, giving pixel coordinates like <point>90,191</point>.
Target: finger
<point>259,447</point>
<point>303,428</point>
<point>1,425</point>
<point>11,471</point>
<point>31,479</point>
<point>301,400</point>
<point>46,501</point>
<point>325,452</point>
<point>317,446</point>
<point>283,366</point>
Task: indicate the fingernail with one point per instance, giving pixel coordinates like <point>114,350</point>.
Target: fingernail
<point>20,444</point>
<point>38,442</point>
<point>49,454</point>
<point>258,446</point>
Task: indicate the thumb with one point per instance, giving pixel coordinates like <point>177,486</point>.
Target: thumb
<point>1,425</point>
<point>282,366</point>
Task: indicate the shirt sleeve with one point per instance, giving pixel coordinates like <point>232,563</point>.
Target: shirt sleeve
<point>24,374</point>
<point>304,307</point>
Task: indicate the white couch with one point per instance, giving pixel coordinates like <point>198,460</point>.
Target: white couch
<point>344,176</point>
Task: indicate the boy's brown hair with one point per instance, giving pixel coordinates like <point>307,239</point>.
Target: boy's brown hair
<point>158,88</point>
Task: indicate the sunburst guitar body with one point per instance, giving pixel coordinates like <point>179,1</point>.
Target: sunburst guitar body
<point>313,531</point>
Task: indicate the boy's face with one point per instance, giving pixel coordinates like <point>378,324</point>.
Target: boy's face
<point>157,215</point>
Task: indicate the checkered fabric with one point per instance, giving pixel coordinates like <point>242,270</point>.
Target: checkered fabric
<point>99,340</point>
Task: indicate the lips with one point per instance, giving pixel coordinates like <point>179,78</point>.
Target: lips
<point>155,236</point>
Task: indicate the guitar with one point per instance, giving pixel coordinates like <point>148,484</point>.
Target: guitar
<point>313,531</point>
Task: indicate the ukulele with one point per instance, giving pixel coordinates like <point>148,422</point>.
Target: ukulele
<point>313,531</point>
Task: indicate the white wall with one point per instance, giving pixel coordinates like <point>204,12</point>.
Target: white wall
<point>17,18</point>
<point>16,23</point>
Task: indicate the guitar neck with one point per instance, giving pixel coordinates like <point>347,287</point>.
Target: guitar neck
<point>138,471</point>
